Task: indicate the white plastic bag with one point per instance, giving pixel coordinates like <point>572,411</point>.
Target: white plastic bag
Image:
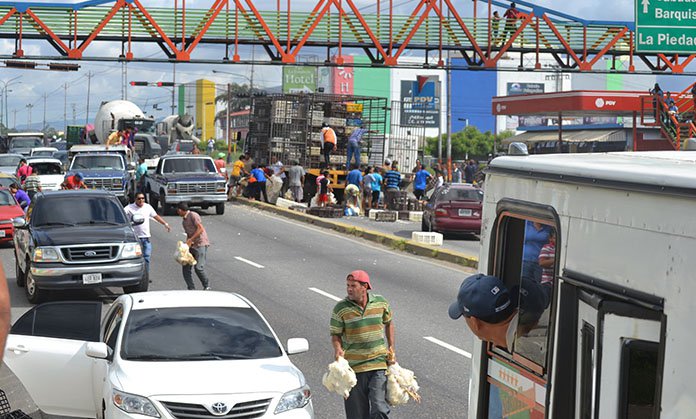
<point>340,379</point>
<point>401,385</point>
<point>183,255</point>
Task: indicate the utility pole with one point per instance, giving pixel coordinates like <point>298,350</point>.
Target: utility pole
<point>74,113</point>
<point>173,88</point>
<point>89,88</point>
<point>65,107</point>
<point>14,118</point>
<point>29,106</point>
<point>43,128</point>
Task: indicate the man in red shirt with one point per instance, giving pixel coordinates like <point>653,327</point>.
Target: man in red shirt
<point>24,171</point>
<point>511,15</point>
<point>221,165</point>
<point>75,181</point>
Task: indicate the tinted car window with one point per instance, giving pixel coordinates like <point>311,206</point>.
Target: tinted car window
<point>42,153</point>
<point>47,168</point>
<point>26,142</point>
<point>9,160</point>
<point>459,194</point>
<point>6,198</point>
<point>189,166</point>
<point>197,333</point>
<point>72,320</point>
<point>113,162</point>
<point>84,210</point>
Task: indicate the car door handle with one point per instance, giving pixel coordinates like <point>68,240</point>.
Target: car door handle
<point>18,349</point>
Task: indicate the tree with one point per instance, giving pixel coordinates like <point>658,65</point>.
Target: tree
<point>240,99</point>
<point>469,142</point>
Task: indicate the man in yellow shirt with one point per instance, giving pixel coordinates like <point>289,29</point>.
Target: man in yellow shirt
<point>237,171</point>
<point>115,138</point>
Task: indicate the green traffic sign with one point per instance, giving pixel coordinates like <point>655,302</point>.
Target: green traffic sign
<point>667,26</point>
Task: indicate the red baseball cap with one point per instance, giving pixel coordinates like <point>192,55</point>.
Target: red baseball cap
<point>360,276</point>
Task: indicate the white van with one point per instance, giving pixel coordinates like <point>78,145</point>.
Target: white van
<point>615,338</point>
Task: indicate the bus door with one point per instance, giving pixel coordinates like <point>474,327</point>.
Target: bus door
<point>619,354</point>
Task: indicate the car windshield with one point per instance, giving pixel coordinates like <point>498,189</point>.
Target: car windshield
<point>144,126</point>
<point>9,160</point>
<point>58,210</point>
<point>47,168</point>
<point>28,142</point>
<point>460,194</point>
<point>196,334</point>
<point>6,198</point>
<point>5,182</point>
<point>112,162</point>
<point>183,146</point>
<point>193,165</point>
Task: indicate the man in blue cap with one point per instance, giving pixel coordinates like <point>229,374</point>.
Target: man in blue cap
<point>492,312</point>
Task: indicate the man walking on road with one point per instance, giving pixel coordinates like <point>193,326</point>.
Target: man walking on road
<point>362,332</point>
<point>296,178</point>
<point>142,231</point>
<point>197,241</point>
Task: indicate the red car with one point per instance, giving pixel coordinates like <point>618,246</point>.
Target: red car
<point>454,208</point>
<point>9,209</point>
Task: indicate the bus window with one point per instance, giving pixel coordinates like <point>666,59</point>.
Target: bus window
<point>639,368</point>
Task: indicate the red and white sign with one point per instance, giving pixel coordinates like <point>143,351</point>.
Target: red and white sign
<point>342,78</point>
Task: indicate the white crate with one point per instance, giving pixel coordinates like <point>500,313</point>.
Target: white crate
<point>373,213</point>
<point>433,239</point>
<point>415,216</point>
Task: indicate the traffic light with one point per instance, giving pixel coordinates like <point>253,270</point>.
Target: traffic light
<point>139,83</point>
<point>20,64</point>
<point>165,84</point>
<point>63,67</point>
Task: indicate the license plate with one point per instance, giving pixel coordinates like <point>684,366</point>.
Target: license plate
<point>2,233</point>
<point>465,213</point>
<point>196,199</point>
<point>91,278</point>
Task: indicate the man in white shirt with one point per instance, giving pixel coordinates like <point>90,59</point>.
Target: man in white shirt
<point>142,231</point>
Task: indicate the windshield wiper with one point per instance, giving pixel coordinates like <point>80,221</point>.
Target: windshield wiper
<point>112,223</point>
<point>186,357</point>
<point>56,223</point>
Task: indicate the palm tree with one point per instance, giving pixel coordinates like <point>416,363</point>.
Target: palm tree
<point>240,99</point>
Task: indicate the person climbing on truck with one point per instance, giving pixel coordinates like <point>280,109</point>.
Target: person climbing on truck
<point>328,142</point>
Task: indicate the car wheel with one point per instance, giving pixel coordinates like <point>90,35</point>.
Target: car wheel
<point>168,209</point>
<point>19,275</point>
<point>153,201</point>
<point>141,287</point>
<point>33,293</point>
<point>220,208</point>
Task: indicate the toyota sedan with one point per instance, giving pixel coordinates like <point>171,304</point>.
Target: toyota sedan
<point>165,354</point>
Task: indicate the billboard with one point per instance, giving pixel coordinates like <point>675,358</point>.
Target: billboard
<point>299,79</point>
<point>524,88</point>
<point>420,102</point>
<point>342,78</point>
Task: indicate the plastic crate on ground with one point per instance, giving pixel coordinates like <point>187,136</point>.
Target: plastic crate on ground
<point>387,216</point>
<point>373,213</point>
<point>326,212</point>
<point>430,238</point>
<point>404,215</point>
<point>415,216</point>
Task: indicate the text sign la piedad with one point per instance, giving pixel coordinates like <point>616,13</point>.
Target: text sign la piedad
<point>667,26</point>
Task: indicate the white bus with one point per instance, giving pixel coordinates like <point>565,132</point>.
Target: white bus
<point>618,337</point>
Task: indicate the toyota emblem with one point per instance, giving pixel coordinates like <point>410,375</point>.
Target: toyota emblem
<point>90,253</point>
<point>219,408</point>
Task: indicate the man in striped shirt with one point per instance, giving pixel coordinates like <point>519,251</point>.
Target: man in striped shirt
<point>362,332</point>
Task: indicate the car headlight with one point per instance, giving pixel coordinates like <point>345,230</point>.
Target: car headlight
<point>171,188</point>
<point>131,250</point>
<point>118,183</point>
<point>131,403</point>
<point>220,186</point>
<point>45,254</point>
<point>294,399</point>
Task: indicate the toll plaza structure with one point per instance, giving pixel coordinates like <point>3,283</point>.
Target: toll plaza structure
<point>653,127</point>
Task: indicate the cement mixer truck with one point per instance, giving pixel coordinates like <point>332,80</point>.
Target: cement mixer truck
<point>120,114</point>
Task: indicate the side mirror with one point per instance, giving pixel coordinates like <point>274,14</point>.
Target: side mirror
<point>97,350</point>
<point>137,219</point>
<point>19,222</point>
<point>297,346</point>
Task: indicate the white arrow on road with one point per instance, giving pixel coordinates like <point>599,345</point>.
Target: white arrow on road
<point>645,4</point>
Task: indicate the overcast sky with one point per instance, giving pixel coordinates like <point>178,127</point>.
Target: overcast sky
<point>106,82</point>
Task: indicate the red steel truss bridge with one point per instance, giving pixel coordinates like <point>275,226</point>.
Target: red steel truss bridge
<point>108,30</point>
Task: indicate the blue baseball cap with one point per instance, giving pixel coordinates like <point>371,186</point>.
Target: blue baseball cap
<point>79,175</point>
<point>483,296</point>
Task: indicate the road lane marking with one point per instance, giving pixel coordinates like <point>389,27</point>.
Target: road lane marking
<point>254,264</point>
<point>448,346</point>
<point>325,294</point>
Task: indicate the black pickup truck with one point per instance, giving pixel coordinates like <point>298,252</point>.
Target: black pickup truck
<point>77,239</point>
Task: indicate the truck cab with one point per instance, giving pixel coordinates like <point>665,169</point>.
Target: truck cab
<point>107,170</point>
<point>23,142</point>
<point>186,178</point>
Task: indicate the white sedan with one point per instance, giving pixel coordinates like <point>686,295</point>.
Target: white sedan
<point>164,354</point>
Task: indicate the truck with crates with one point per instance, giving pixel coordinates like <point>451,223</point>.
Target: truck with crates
<point>288,127</point>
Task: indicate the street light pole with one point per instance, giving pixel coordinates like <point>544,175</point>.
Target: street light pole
<point>29,106</point>
<point>5,85</point>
